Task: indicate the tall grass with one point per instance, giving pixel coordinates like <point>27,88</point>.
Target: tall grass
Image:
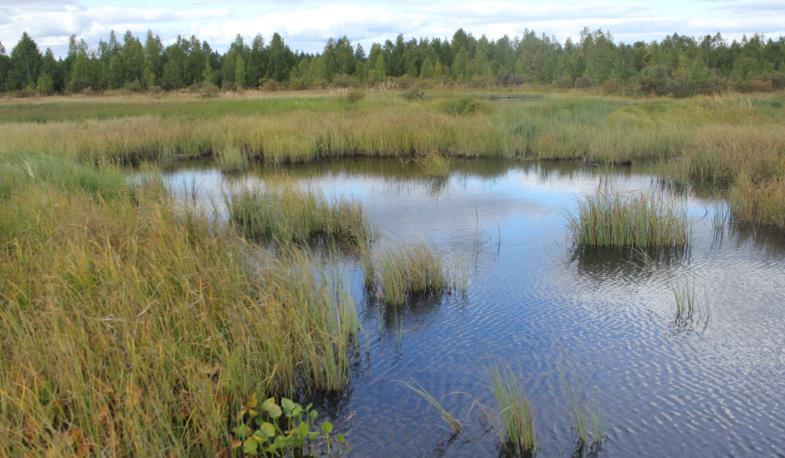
<point>309,127</point>
<point>400,273</point>
<point>645,220</point>
<point>517,417</point>
<point>131,328</point>
<point>293,215</point>
<point>759,203</point>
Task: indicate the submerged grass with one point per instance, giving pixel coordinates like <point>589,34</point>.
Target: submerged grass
<point>643,221</point>
<point>132,328</point>
<point>518,420</point>
<point>400,273</point>
<point>293,215</point>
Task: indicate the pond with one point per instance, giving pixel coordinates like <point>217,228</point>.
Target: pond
<point>605,323</point>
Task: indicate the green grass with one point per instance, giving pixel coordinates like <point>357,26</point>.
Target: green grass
<point>231,160</point>
<point>692,312</point>
<point>291,215</point>
<point>313,126</point>
<point>518,434</point>
<point>400,273</point>
<point>132,327</point>
<point>434,165</point>
<point>642,221</point>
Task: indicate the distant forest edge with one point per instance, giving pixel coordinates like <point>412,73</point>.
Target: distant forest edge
<point>678,65</point>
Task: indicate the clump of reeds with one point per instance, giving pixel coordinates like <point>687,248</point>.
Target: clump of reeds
<point>293,215</point>
<point>692,312</point>
<point>434,165</point>
<point>231,159</point>
<point>400,273</point>
<point>517,417</point>
<point>641,220</point>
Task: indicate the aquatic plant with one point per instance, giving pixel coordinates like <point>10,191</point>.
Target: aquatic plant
<point>641,220</point>
<point>692,312</point>
<point>293,215</point>
<point>586,420</point>
<point>231,159</point>
<point>455,425</point>
<point>403,272</point>
<point>517,417</point>
<point>758,203</point>
<point>434,165</point>
<point>288,428</point>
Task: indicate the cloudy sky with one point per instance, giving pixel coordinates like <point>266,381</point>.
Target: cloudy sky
<point>306,24</point>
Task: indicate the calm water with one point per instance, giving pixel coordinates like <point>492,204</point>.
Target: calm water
<point>605,322</point>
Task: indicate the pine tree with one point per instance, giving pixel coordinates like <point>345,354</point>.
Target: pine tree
<point>24,64</point>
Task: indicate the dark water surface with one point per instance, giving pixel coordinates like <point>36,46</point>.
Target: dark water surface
<point>605,322</point>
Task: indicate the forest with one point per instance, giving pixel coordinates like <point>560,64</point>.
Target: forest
<point>678,65</point>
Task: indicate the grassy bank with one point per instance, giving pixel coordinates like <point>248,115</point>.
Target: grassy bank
<point>132,328</point>
<point>734,142</point>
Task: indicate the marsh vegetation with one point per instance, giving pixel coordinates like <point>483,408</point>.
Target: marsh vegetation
<point>134,321</point>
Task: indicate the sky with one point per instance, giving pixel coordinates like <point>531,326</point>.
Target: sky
<point>307,24</point>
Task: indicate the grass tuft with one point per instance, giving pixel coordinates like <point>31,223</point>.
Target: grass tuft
<point>516,413</point>
<point>692,312</point>
<point>643,221</point>
<point>434,165</point>
<point>231,159</point>
<point>291,215</point>
<point>404,272</point>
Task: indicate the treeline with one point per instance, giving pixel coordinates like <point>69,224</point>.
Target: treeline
<point>678,65</point>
